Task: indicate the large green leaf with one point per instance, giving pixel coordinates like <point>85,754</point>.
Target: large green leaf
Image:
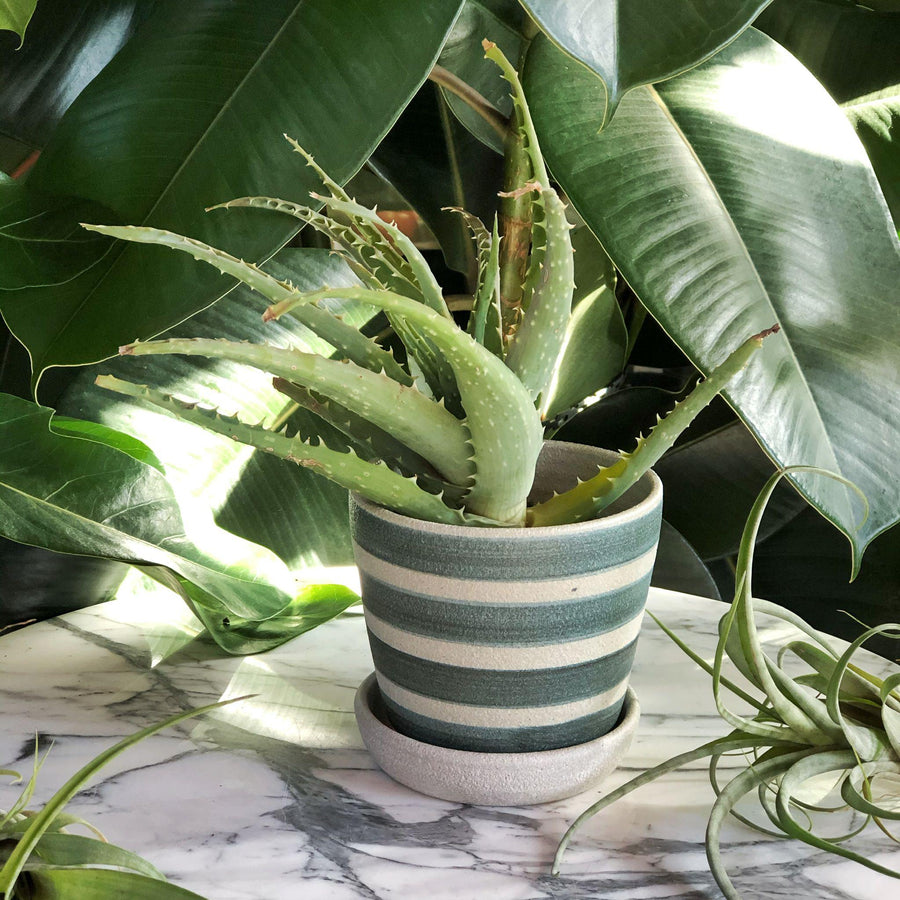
<point>177,122</point>
<point>855,53</point>
<point>732,197</point>
<point>41,243</point>
<point>69,42</point>
<point>463,55</point>
<point>876,118</point>
<point>629,44</point>
<point>851,50</point>
<point>15,16</point>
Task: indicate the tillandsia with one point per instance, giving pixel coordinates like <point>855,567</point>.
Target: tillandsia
<point>40,858</point>
<point>453,433</point>
<point>838,721</point>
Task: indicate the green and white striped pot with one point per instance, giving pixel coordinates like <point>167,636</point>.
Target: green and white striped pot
<point>508,639</point>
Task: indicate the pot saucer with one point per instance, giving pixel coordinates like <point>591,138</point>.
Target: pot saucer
<point>490,779</point>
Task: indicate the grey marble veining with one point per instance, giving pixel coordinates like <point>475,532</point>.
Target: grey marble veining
<point>276,797</point>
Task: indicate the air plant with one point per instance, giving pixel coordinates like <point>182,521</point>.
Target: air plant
<point>453,434</point>
<point>839,720</point>
<point>39,858</point>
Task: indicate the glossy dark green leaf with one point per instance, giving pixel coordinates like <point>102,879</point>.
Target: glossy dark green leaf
<point>15,16</point>
<point>710,485</point>
<point>190,113</point>
<point>69,42</point>
<point>679,568</point>
<point>463,55</point>
<point>732,197</point>
<point>805,567</point>
<point>629,44</point>
<point>436,163</point>
<point>853,51</point>
<point>876,118</point>
<point>93,431</point>
<point>41,244</point>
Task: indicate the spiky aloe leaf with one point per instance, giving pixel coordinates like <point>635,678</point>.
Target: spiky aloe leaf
<point>412,418</point>
<point>485,320</point>
<point>376,481</point>
<point>345,338</point>
<point>370,442</point>
<point>504,427</point>
<point>587,499</point>
<point>550,280</point>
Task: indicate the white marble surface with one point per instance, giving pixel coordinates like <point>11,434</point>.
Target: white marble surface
<point>276,798</point>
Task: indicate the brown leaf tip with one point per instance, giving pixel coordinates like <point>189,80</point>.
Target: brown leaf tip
<point>488,45</point>
<point>764,334</point>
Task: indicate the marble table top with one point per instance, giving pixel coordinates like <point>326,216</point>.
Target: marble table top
<point>276,797</point>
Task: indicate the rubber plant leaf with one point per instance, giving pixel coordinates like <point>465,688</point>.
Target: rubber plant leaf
<point>750,199</point>
<point>216,140</point>
<point>628,44</point>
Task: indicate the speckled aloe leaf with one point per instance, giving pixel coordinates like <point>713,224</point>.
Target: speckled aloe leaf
<point>174,96</point>
<point>749,199</point>
<point>630,43</point>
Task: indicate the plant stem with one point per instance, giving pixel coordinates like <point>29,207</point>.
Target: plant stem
<point>476,101</point>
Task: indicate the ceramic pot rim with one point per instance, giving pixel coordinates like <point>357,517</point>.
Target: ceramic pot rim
<point>604,523</point>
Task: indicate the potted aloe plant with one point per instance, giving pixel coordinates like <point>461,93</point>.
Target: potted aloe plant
<point>503,577</point>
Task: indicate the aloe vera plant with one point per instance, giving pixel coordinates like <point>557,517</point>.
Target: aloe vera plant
<point>838,720</point>
<point>453,434</point>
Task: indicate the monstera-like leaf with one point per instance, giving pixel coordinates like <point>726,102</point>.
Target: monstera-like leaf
<point>734,196</point>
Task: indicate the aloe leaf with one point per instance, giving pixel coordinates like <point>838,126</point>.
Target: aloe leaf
<point>708,248</point>
<point>629,44</point>
<point>42,820</point>
<point>374,480</point>
<point>504,428</point>
<point>801,771</point>
<point>101,884</point>
<point>136,109</point>
<point>415,420</point>
<point>588,498</point>
<point>550,279</point>
<point>485,318</point>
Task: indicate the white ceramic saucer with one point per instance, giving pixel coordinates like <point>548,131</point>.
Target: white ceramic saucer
<point>490,779</point>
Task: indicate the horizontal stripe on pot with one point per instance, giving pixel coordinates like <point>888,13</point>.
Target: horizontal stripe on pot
<point>543,553</point>
<point>504,623</point>
<point>502,687</point>
<point>519,589</point>
<point>492,656</point>
<point>502,730</point>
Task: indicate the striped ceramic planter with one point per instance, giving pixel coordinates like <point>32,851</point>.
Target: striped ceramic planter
<point>508,639</point>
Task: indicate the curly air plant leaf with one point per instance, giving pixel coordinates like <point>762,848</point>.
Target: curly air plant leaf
<point>839,720</point>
